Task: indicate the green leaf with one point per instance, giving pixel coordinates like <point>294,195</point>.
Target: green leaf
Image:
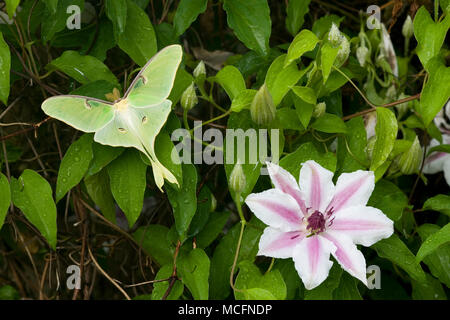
<point>347,289</point>
<point>84,69</point>
<point>241,152</point>
<point>33,196</point>
<point>11,6</point>
<point>164,148</point>
<point>303,42</point>
<point>231,80</point>
<point>5,198</point>
<point>52,5</point>
<point>116,10</point>
<point>5,66</point>
<point>280,79</point>
<point>193,269</point>
<point>184,200</point>
<point>204,202</point>
<point>433,242</point>
<point>329,123</point>
<point>440,203</point>
<point>9,293</point>
<point>98,188</point>
<point>351,150</point>
<point>96,89</point>
<point>436,92</point>
<point>55,21</point>
<point>438,261</point>
<point>268,286</point>
<point>187,12</point>
<point>139,39</point>
<point>431,289</point>
<point>160,288</point>
<point>182,80</point>
<point>430,35</point>
<point>322,25</point>
<point>296,11</point>
<point>250,21</point>
<point>325,290</point>
<point>304,110</point>
<point>388,198</point>
<point>153,239</point>
<point>243,100</point>
<point>398,253</point>
<point>102,156</point>
<point>224,253</point>
<point>386,133</point>
<point>327,56</point>
<point>290,275</point>
<point>288,119</point>
<point>212,229</point>
<point>74,165</point>
<point>307,151</point>
<point>306,94</point>
<point>127,176</point>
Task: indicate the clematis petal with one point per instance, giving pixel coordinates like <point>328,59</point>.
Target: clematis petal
<point>447,170</point>
<point>312,260</point>
<point>434,163</point>
<point>276,209</point>
<point>348,255</point>
<point>284,181</point>
<point>316,185</point>
<point>278,244</point>
<point>364,225</point>
<point>352,189</point>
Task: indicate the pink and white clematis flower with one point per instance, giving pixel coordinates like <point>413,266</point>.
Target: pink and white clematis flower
<point>315,218</point>
<point>440,161</point>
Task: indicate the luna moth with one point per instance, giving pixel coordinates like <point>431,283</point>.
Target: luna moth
<point>133,120</point>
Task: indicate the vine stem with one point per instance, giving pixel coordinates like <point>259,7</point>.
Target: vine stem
<point>238,247</point>
<point>373,106</point>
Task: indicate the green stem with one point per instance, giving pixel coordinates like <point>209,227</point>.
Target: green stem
<point>238,248</point>
<point>185,119</point>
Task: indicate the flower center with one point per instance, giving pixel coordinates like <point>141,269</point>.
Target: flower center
<point>316,222</point>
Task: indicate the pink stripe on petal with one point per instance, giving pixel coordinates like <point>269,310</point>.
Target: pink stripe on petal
<point>282,211</point>
<point>313,253</point>
<point>341,198</point>
<point>340,253</point>
<point>356,225</point>
<point>287,239</point>
<point>316,193</point>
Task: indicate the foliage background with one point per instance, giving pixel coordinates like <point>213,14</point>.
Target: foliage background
<point>87,191</point>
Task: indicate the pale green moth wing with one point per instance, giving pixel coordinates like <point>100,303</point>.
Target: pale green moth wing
<point>138,127</point>
<point>83,113</point>
<point>155,81</point>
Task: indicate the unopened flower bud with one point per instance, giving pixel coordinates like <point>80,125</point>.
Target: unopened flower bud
<point>334,35</point>
<point>362,55</point>
<point>237,181</point>
<point>319,109</point>
<point>408,28</point>
<point>343,53</point>
<point>200,71</point>
<point>262,108</point>
<point>213,203</point>
<point>409,162</point>
<point>189,98</point>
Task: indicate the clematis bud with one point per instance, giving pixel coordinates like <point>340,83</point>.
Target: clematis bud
<point>189,98</point>
<point>409,162</point>
<point>334,35</point>
<point>213,203</point>
<point>237,181</point>
<point>408,28</point>
<point>262,108</point>
<point>319,109</point>
<point>200,71</point>
<point>362,54</point>
<point>343,53</point>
